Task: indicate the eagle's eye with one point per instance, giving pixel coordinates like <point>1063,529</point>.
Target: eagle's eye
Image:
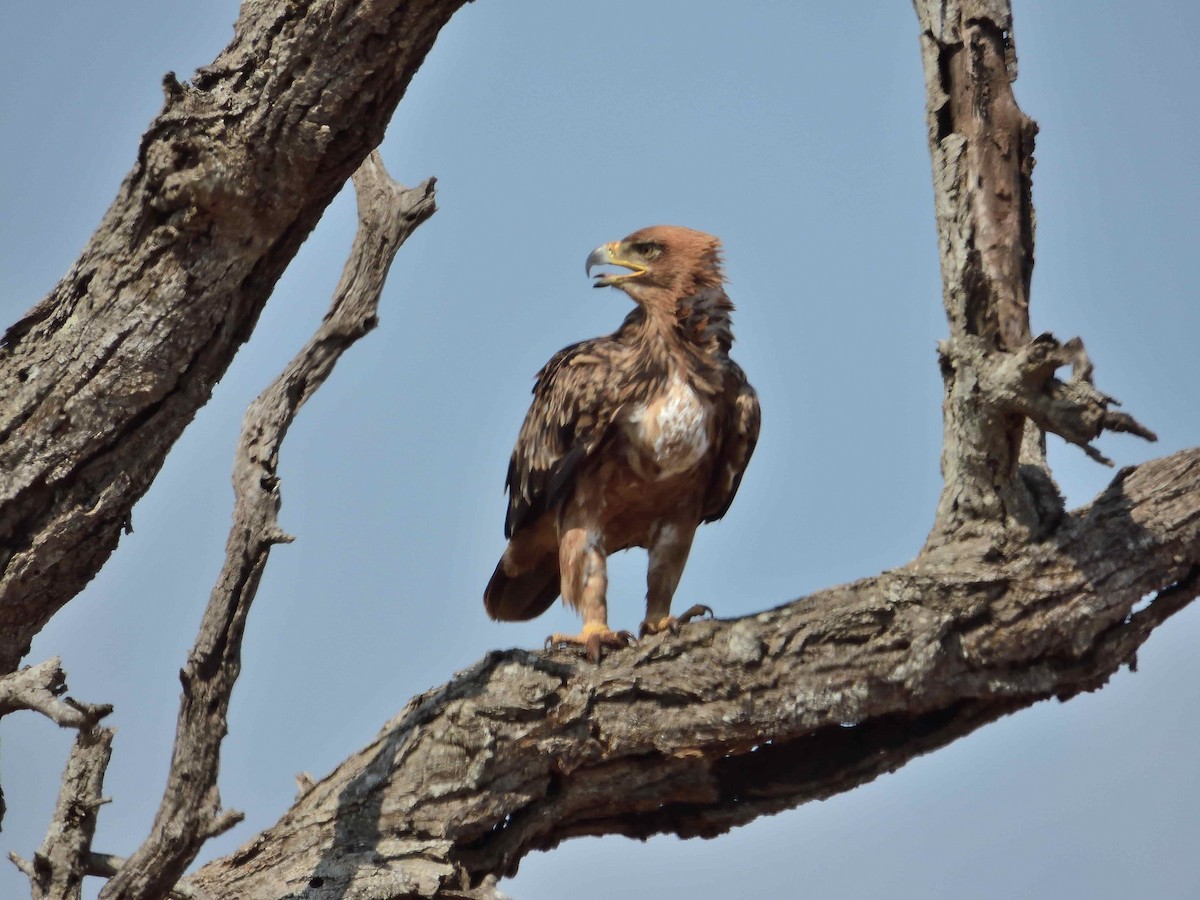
<point>647,249</point>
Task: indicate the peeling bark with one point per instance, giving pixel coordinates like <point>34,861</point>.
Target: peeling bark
<point>996,407</point>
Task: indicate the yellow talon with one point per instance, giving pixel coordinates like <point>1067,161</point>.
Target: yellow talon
<point>594,638</point>
<point>673,623</point>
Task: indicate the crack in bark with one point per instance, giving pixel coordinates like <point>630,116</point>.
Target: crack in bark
<point>190,811</point>
<point>255,200</point>
<point>525,750</point>
<point>1012,601</point>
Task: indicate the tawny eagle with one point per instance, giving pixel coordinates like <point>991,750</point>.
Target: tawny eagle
<point>632,440</point>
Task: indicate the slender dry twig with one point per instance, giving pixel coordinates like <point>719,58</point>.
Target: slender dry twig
<point>190,811</point>
<point>101,377</point>
<point>57,869</point>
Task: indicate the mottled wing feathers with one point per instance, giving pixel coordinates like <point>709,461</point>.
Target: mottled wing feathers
<point>573,405</point>
<point>740,436</point>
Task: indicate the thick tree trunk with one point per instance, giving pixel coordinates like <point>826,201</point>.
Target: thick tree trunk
<point>100,378</point>
<point>695,734</point>
<point>1012,600</point>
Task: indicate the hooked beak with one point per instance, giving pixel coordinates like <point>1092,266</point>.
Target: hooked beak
<point>609,255</point>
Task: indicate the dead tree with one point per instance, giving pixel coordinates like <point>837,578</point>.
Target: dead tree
<point>1012,600</point>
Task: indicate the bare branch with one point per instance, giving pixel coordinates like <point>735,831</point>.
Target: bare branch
<point>106,865</point>
<point>41,688</point>
<point>59,865</point>
<point>1022,382</point>
<point>101,377</point>
<point>1001,396</point>
<point>691,734</point>
<point>731,720</point>
<point>24,866</point>
<point>190,811</point>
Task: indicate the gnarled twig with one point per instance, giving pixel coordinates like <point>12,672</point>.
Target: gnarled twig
<point>190,811</point>
<point>57,868</point>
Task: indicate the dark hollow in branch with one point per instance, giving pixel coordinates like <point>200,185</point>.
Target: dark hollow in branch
<point>190,811</point>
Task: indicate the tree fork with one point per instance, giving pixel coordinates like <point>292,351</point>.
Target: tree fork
<point>996,409</point>
<point>693,734</point>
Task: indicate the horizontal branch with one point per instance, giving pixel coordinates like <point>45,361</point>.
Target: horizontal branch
<point>696,734</point>
<point>41,688</point>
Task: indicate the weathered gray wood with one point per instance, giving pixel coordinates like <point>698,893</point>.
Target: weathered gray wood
<point>190,812</point>
<point>1011,602</point>
<point>101,377</point>
<point>59,865</point>
<point>696,734</point>
<point>996,406</point>
<point>41,688</point>
<point>106,865</point>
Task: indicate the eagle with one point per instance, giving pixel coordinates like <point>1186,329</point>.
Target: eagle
<point>632,440</point>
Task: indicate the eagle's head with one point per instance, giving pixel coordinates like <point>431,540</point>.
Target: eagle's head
<point>664,262</point>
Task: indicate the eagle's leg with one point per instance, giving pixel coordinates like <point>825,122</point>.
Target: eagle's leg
<point>669,548</point>
<point>585,587</point>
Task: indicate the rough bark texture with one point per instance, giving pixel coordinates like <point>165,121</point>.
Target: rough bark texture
<point>41,688</point>
<point>190,812</point>
<point>733,719</point>
<point>100,378</point>
<point>1011,602</point>
<point>58,867</point>
<point>1001,393</point>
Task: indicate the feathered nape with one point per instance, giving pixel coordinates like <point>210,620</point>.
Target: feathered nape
<point>704,317</point>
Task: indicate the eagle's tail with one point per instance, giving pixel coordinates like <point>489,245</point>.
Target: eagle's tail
<point>514,598</point>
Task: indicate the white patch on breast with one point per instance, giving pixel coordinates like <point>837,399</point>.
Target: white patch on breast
<point>674,431</point>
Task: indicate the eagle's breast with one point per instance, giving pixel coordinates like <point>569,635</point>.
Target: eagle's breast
<point>669,433</point>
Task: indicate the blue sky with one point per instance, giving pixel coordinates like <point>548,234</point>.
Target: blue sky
<point>795,132</point>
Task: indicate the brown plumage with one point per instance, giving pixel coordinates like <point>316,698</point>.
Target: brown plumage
<point>632,440</point>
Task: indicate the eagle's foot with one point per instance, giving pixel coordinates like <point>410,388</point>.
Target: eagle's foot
<point>594,638</point>
<point>674,623</point>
